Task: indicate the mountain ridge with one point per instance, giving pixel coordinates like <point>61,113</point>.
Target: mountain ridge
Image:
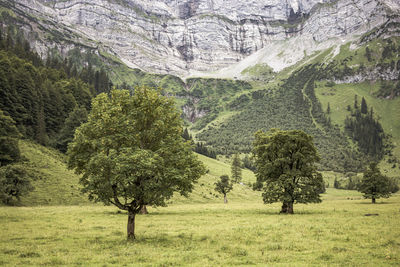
<point>225,113</point>
<point>199,38</point>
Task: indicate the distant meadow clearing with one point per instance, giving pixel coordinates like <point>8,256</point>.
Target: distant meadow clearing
<point>336,232</point>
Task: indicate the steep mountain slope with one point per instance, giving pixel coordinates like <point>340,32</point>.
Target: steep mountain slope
<point>369,69</point>
<point>319,42</point>
<point>196,36</point>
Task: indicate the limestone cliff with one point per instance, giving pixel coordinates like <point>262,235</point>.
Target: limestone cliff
<point>193,37</point>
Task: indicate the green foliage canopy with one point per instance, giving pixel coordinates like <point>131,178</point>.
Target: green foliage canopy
<point>131,152</point>
<point>9,150</point>
<point>367,132</point>
<point>75,118</point>
<point>223,186</point>
<point>14,183</point>
<point>374,184</point>
<point>286,171</point>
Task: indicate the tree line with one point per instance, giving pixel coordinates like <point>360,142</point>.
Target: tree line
<point>41,100</point>
<point>46,99</point>
<point>199,147</point>
<point>366,130</point>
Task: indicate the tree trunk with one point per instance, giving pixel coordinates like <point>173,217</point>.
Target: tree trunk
<point>131,225</point>
<point>225,199</point>
<point>373,200</point>
<point>290,208</point>
<point>287,207</point>
<point>143,210</point>
<point>284,208</point>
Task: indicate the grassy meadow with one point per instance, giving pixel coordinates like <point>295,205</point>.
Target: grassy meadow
<point>335,232</point>
<point>196,231</point>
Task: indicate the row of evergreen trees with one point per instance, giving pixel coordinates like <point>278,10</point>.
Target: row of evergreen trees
<point>199,147</point>
<point>366,130</point>
<point>46,99</point>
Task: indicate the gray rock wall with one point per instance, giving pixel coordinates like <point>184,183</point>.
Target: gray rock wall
<point>183,36</point>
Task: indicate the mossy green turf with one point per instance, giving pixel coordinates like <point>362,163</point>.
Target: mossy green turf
<point>333,233</point>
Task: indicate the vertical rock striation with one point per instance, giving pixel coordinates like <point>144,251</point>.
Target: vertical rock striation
<point>183,37</point>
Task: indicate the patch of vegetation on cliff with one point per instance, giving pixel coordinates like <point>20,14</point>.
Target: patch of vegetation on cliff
<point>259,72</point>
<point>378,59</point>
<point>220,17</point>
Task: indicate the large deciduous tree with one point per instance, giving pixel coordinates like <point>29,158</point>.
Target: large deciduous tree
<point>285,162</point>
<point>131,152</point>
<point>374,184</point>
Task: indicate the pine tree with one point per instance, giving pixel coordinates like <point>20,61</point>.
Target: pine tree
<point>236,170</point>
<point>336,184</point>
<point>364,108</point>
<point>186,135</point>
<point>355,102</point>
<point>368,53</point>
<point>328,109</point>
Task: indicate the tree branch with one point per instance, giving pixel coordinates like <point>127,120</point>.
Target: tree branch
<point>116,200</point>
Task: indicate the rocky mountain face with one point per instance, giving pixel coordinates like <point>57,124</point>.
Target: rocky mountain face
<point>191,37</point>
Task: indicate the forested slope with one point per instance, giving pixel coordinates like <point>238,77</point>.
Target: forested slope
<point>49,99</point>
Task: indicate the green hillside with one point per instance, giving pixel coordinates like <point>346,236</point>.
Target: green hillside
<point>342,95</point>
<point>56,185</point>
<point>298,97</point>
<point>204,190</point>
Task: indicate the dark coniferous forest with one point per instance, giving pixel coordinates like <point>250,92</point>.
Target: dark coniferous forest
<point>46,99</point>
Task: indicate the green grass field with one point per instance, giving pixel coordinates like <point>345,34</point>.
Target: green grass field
<point>333,233</point>
<point>195,231</point>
